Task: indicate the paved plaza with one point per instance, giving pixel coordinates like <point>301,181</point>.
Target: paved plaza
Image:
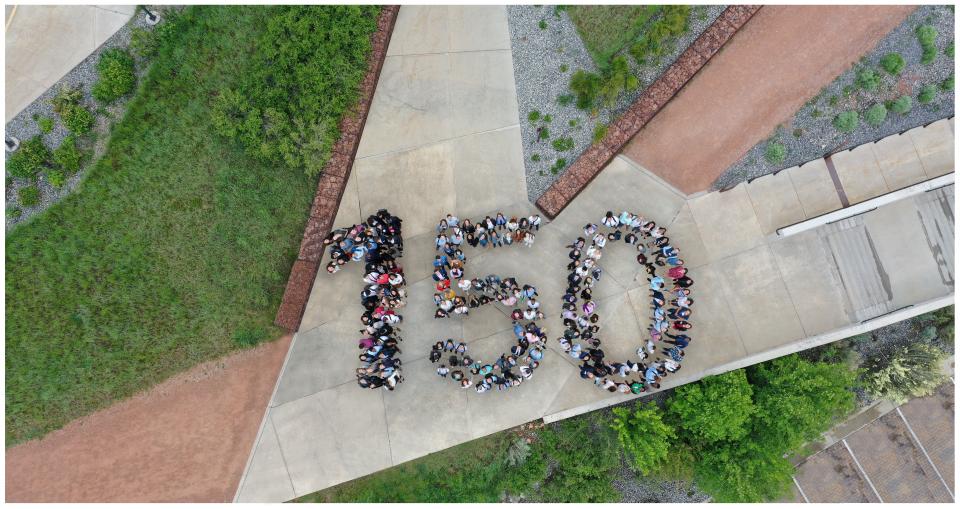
<point>443,136</point>
<point>71,33</point>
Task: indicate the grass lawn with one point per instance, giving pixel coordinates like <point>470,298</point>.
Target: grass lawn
<point>470,472</point>
<point>176,241</point>
<point>606,29</point>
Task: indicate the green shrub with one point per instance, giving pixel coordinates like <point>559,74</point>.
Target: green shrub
<point>816,113</point>
<point>543,24</point>
<point>68,156</point>
<point>558,165</point>
<point>655,42</point>
<point>834,100</point>
<point>565,99</point>
<point>564,67</point>
<point>586,86</point>
<point>644,436</point>
<point>45,124</point>
<point>547,119</point>
<point>56,178</point>
<point>30,159</point>
<point>517,452</point>
<point>616,79</point>
<point>75,116</point>
<point>533,116</point>
<point>948,51</point>
<point>116,77</point>
<point>901,105</point>
<point>868,79</point>
<point>599,132</point>
<point>743,471</point>
<point>927,35</point>
<point>910,370</point>
<point>14,212</point>
<point>78,119</point>
<point>797,132</point>
<point>585,458</point>
<point>284,111</point>
<point>248,337</point>
<point>775,152</point>
<point>846,122</point>
<point>544,133</point>
<point>947,84</point>
<point>715,409</point>
<point>573,122</point>
<point>875,115</point>
<point>797,400</point>
<point>28,196</point>
<point>535,158</point>
<point>67,96</point>
<point>927,94</point>
<point>847,91</point>
<point>893,63</point>
<point>562,144</point>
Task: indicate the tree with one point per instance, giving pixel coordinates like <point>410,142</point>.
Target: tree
<point>644,436</point>
<point>910,370</point>
<point>742,471</point>
<point>797,400</point>
<point>714,409</point>
<point>585,457</point>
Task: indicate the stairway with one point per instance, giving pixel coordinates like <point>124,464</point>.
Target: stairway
<point>864,279</point>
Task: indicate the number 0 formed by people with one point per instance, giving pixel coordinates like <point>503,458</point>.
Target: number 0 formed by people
<point>378,242</point>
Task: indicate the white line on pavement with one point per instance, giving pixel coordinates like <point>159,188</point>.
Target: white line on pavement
<point>862,471</point>
<point>924,449</point>
<point>802,494</point>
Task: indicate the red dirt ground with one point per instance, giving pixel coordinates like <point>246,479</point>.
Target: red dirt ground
<point>186,439</point>
<point>781,58</point>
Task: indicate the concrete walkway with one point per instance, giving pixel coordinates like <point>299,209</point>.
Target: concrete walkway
<point>442,136</point>
<point>43,42</point>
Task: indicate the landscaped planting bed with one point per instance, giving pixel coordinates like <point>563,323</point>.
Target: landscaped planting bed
<point>177,246</point>
<point>86,131</point>
<point>548,51</point>
<point>893,88</point>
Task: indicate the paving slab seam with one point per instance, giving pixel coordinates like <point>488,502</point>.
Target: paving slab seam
<point>802,494</point>
<point>924,450</point>
<point>436,142</point>
<point>282,457</point>
<point>832,171</point>
<point>487,50</point>
<point>862,471</point>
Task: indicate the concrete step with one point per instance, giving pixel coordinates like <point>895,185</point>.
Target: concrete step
<point>859,267</point>
<point>936,210</point>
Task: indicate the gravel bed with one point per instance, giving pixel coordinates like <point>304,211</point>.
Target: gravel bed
<point>538,55</point>
<point>817,136</point>
<point>23,126</point>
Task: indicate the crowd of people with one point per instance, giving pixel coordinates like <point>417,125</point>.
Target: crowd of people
<point>378,243</point>
<point>510,369</point>
<point>670,305</point>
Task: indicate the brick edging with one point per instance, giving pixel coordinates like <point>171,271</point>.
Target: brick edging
<point>333,180</point>
<point>650,102</point>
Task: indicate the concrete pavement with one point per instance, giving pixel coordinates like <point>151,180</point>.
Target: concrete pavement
<point>43,42</point>
<point>442,137</point>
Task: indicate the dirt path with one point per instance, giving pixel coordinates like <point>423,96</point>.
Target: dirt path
<point>781,58</point>
<point>186,439</point>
